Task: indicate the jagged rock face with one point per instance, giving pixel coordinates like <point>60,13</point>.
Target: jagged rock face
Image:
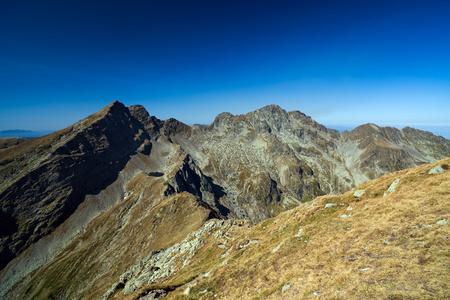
<point>189,178</point>
<point>270,160</point>
<point>256,158</point>
<point>121,171</point>
<point>157,128</point>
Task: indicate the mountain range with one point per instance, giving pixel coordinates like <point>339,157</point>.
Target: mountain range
<point>85,209</point>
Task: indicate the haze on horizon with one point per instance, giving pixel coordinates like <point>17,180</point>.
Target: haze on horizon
<point>344,63</point>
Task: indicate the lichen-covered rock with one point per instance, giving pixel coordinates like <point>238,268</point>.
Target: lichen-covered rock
<point>442,222</point>
<point>392,187</point>
<point>358,193</point>
<point>436,170</point>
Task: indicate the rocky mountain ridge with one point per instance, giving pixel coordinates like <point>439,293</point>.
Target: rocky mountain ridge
<point>125,165</point>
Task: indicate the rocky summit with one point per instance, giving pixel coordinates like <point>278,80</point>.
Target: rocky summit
<point>124,205</point>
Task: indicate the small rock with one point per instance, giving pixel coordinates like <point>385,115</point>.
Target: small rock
<point>349,208</point>
<point>442,222</point>
<point>393,185</point>
<point>187,291</point>
<point>277,248</point>
<point>316,293</point>
<point>436,170</point>
<point>364,269</point>
<point>345,216</point>
<point>224,262</point>
<point>328,205</point>
<point>299,233</point>
<point>358,193</point>
<point>286,287</point>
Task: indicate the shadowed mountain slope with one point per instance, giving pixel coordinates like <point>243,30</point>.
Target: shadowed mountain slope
<point>45,179</point>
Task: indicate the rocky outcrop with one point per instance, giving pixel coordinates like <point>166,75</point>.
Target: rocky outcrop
<point>436,170</point>
<point>189,178</point>
<point>157,128</point>
<point>161,263</point>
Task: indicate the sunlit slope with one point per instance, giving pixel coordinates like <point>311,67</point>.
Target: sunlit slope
<point>384,244</point>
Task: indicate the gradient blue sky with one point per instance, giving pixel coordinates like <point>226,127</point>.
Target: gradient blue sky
<point>341,62</point>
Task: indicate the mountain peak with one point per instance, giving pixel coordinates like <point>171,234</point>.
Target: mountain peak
<point>222,119</point>
<point>269,111</point>
<point>115,106</point>
<point>272,108</point>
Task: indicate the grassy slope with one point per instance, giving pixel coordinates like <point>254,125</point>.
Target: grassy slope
<point>10,141</point>
<point>113,240</point>
<point>390,247</point>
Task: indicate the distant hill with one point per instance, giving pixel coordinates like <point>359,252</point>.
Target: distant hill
<point>22,133</point>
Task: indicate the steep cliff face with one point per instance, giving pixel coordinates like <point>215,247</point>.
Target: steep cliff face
<point>124,183</point>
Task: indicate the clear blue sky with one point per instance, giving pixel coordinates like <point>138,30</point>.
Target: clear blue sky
<point>341,62</point>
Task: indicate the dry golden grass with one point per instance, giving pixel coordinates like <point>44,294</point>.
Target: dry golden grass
<point>389,248</point>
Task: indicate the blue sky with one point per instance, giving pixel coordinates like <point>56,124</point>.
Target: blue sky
<point>344,63</point>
